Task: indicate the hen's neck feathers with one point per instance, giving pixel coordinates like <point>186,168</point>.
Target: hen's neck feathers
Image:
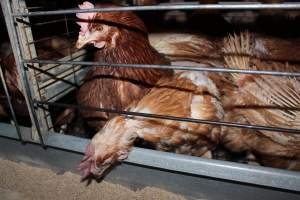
<point>131,48</point>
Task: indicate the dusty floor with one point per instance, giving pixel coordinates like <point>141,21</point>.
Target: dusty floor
<point>20,181</point>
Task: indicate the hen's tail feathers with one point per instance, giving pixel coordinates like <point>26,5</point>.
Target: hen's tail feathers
<point>283,93</point>
<point>277,98</point>
<point>237,52</point>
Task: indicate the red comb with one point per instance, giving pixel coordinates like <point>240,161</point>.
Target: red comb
<point>85,16</point>
<point>85,164</point>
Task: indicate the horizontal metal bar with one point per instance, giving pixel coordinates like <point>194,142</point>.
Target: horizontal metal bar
<point>257,175</point>
<point>285,6</point>
<point>55,77</point>
<point>167,117</point>
<point>56,88</point>
<point>77,56</point>
<point>49,22</point>
<point>61,72</point>
<point>174,67</point>
<point>34,7</point>
<point>51,37</point>
<point>59,95</point>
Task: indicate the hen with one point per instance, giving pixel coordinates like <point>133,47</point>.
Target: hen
<point>189,47</point>
<point>186,94</point>
<point>179,47</point>
<point>209,50</point>
<point>14,87</point>
<point>121,37</point>
<point>262,100</point>
<point>53,48</point>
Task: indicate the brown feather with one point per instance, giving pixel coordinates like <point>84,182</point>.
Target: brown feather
<point>263,100</point>
<point>188,47</point>
<point>203,49</point>
<point>113,87</point>
<point>186,94</point>
<point>14,87</point>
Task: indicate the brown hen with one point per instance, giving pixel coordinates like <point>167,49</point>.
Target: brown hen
<point>236,101</point>
<point>209,50</point>
<point>262,100</point>
<point>121,37</point>
<point>14,87</point>
<point>186,94</point>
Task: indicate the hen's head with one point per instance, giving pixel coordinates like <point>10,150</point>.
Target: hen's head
<point>105,29</point>
<point>108,146</point>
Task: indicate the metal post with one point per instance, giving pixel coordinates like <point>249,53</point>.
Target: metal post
<point>15,43</point>
<point>28,51</point>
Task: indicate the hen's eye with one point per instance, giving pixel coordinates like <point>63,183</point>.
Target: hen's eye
<point>99,28</point>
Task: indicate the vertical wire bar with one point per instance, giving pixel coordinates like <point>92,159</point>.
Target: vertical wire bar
<point>70,50</point>
<point>12,111</point>
<point>71,57</point>
<point>16,46</point>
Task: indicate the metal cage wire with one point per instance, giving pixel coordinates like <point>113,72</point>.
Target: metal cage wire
<point>250,6</point>
<point>227,6</point>
<point>11,16</point>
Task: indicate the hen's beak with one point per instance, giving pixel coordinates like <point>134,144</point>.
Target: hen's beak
<point>79,45</point>
<point>98,172</point>
<point>90,39</point>
<point>81,42</point>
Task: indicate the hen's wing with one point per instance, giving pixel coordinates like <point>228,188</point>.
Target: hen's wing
<point>187,95</point>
